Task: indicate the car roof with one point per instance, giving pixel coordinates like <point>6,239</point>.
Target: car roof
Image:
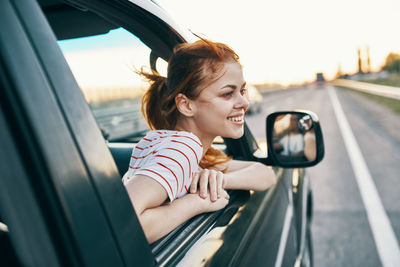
<point>143,18</point>
<point>59,11</point>
<point>154,8</point>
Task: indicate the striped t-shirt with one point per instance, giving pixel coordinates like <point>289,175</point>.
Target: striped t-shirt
<point>169,157</point>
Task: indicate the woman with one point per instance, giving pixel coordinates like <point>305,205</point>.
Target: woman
<point>203,97</point>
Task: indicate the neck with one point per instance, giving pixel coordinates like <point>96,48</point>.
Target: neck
<point>205,140</point>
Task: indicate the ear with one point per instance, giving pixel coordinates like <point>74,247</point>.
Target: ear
<point>184,105</point>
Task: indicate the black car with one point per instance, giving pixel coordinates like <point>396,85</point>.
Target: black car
<point>66,139</point>
<point>320,79</point>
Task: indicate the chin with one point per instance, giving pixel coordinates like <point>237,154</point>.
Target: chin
<point>237,137</point>
<point>236,134</point>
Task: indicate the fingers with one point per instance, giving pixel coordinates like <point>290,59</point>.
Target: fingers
<point>203,183</point>
<point>212,182</point>
<point>208,181</point>
<point>220,202</point>
<point>220,179</point>
<point>206,205</point>
<point>195,180</point>
<point>225,194</point>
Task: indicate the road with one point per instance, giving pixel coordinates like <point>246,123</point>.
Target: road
<point>342,231</point>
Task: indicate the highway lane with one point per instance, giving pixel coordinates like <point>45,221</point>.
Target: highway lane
<point>342,233</point>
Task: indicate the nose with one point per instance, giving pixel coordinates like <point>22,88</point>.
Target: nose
<point>242,102</point>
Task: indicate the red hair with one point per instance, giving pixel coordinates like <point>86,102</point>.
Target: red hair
<point>191,68</point>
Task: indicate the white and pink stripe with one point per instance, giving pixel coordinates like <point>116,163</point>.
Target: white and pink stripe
<point>169,157</point>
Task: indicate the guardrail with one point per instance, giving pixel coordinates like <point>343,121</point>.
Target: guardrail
<point>121,122</point>
<point>375,89</point>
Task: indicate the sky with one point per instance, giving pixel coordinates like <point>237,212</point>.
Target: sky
<point>289,41</point>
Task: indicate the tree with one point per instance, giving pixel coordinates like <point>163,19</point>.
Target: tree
<point>392,63</point>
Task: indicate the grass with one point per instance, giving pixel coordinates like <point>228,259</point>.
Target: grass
<point>392,80</point>
<point>115,103</point>
<point>393,104</point>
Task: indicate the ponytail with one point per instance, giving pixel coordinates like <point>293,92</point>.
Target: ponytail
<point>157,105</point>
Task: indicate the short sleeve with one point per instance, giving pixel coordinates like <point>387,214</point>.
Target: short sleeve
<point>173,163</point>
<point>167,172</point>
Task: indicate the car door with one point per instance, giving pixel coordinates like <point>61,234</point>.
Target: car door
<point>58,177</point>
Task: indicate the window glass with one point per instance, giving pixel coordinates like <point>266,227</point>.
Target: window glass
<point>104,67</point>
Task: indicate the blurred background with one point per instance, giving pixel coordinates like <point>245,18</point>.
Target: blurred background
<point>288,41</point>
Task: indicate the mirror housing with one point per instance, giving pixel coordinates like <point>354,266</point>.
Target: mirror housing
<point>294,139</point>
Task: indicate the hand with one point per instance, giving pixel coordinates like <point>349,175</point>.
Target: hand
<point>206,205</point>
<point>208,180</point>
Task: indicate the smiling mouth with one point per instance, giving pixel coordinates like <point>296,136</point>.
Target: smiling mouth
<point>237,118</point>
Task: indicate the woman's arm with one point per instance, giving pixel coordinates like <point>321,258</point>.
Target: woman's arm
<point>235,174</point>
<point>310,147</point>
<point>157,220</point>
<point>248,175</point>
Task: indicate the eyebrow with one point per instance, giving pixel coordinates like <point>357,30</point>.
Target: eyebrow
<point>233,86</point>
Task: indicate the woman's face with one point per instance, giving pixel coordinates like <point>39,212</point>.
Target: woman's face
<point>220,107</point>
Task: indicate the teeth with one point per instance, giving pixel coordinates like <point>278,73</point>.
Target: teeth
<point>237,119</point>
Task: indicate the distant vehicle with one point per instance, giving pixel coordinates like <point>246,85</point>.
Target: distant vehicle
<point>320,79</point>
<point>255,99</point>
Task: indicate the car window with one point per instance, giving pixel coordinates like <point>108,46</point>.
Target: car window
<point>104,67</point>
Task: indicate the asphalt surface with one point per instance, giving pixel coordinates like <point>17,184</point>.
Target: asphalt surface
<point>342,233</point>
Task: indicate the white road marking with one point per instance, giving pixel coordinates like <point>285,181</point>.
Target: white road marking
<point>385,239</point>
<point>285,232</point>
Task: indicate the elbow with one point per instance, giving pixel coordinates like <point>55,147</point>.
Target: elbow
<point>268,179</point>
<point>268,184</point>
<point>150,237</point>
<point>272,179</point>
<point>146,226</point>
<point>150,232</point>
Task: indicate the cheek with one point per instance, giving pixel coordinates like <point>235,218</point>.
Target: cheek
<point>211,114</point>
<point>214,106</point>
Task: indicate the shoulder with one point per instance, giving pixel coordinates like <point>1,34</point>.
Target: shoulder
<point>177,146</point>
<point>185,140</point>
<point>189,138</point>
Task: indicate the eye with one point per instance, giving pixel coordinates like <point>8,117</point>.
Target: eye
<point>228,94</point>
<point>243,91</point>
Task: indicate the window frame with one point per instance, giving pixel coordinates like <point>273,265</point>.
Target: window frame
<point>72,172</point>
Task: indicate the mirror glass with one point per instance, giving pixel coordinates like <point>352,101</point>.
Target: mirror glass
<point>293,138</point>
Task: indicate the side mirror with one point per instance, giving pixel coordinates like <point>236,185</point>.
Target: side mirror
<point>294,139</point>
